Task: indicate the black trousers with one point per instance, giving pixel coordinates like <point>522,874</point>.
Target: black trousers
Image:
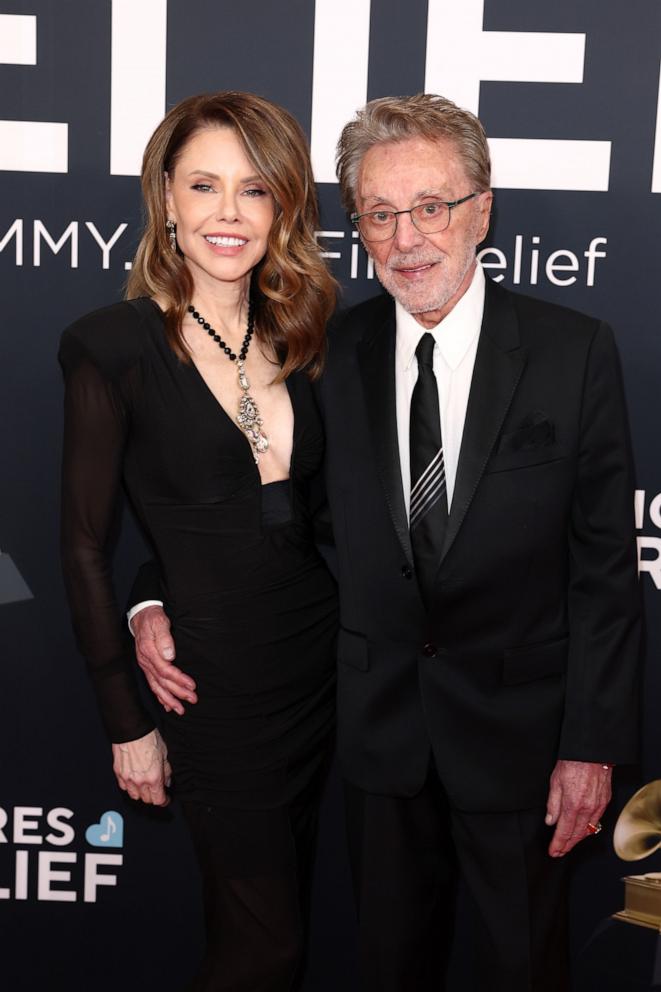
<point>256,870</point>
<point>405,854</point>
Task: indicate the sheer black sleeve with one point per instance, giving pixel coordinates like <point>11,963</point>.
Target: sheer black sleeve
<point>98,389</point>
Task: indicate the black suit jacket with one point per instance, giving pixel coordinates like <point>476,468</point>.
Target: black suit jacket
<point>530,649</point>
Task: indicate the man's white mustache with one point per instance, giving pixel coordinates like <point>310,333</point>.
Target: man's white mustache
<point>412,261</point>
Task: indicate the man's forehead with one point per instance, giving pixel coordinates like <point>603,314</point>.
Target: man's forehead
<point>422,164</point>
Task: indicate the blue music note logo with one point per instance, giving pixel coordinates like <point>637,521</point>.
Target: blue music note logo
<point>108,832</point>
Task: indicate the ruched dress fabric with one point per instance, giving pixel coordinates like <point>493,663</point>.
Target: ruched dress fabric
<point>252,605</point>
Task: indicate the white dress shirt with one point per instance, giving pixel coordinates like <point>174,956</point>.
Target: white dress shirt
<point>456,340</point>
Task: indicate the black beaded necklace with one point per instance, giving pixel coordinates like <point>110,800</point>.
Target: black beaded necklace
<point>248,417</point>
<point>217,338</point>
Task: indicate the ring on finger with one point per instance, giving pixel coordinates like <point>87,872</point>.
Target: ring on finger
<point>594,828</point>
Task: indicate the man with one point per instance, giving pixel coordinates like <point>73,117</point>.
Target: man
<point>480,486</point>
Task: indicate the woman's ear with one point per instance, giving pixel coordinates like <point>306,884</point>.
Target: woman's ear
<point>167,187</point>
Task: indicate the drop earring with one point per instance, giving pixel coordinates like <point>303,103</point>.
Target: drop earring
<point>172,234</point>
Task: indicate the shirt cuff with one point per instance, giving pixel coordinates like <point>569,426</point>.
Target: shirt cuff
<point>140,606</point>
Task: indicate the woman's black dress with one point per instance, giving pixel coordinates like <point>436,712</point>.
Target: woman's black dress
<point>253,607</point>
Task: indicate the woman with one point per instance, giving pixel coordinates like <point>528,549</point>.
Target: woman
<point>195,392</point>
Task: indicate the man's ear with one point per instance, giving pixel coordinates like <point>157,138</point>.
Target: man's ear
<point>484,205</point>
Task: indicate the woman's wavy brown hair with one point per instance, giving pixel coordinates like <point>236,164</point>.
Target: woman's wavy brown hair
<point>292,290</point>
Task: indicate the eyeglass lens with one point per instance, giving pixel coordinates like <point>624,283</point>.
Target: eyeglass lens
<point>428,218</point>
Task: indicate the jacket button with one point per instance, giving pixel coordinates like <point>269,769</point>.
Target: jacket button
<point>430,650</point>
<point>407,572</point>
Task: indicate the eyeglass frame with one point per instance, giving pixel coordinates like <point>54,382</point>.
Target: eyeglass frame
<point>450,204</point>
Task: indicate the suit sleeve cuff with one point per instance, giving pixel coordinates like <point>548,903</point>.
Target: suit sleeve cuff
<point>141,606</point>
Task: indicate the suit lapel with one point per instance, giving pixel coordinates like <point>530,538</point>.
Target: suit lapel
<point>498,366</point>
<point>376,359</point>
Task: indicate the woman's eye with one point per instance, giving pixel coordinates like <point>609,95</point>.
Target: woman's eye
<point>255,191</point>
<point>202,187</point>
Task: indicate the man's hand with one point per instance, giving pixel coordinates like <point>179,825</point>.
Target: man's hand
<point>580,792</point>
<point>142,768</point>
<point>154,649</point>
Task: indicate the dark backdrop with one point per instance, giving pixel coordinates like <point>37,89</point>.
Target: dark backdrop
<point>568,92</point>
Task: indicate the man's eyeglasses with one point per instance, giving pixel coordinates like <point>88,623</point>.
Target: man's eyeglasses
<point>428,218</point>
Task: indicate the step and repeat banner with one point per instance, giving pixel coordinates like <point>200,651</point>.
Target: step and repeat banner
<point>97,893</point>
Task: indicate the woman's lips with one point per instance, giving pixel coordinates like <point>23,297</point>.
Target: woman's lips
<point>225,244</point>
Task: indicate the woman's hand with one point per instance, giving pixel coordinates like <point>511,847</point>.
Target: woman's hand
<point>142,768</point>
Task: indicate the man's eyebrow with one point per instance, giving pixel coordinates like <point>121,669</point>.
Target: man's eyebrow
<point>377,199</point>
<point>436,191</point>
<point>439,192</point>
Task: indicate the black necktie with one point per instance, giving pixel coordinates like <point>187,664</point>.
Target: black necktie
<point>428,516</point>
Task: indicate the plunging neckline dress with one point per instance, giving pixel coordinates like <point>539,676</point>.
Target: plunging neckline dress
<point>252,605</point>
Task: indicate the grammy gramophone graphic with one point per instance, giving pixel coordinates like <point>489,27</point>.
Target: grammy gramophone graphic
<point>637,835</point>
<point>13,587</point>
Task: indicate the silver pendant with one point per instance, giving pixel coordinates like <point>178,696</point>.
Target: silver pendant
<point>243,379</point>
<point>248,417</point>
